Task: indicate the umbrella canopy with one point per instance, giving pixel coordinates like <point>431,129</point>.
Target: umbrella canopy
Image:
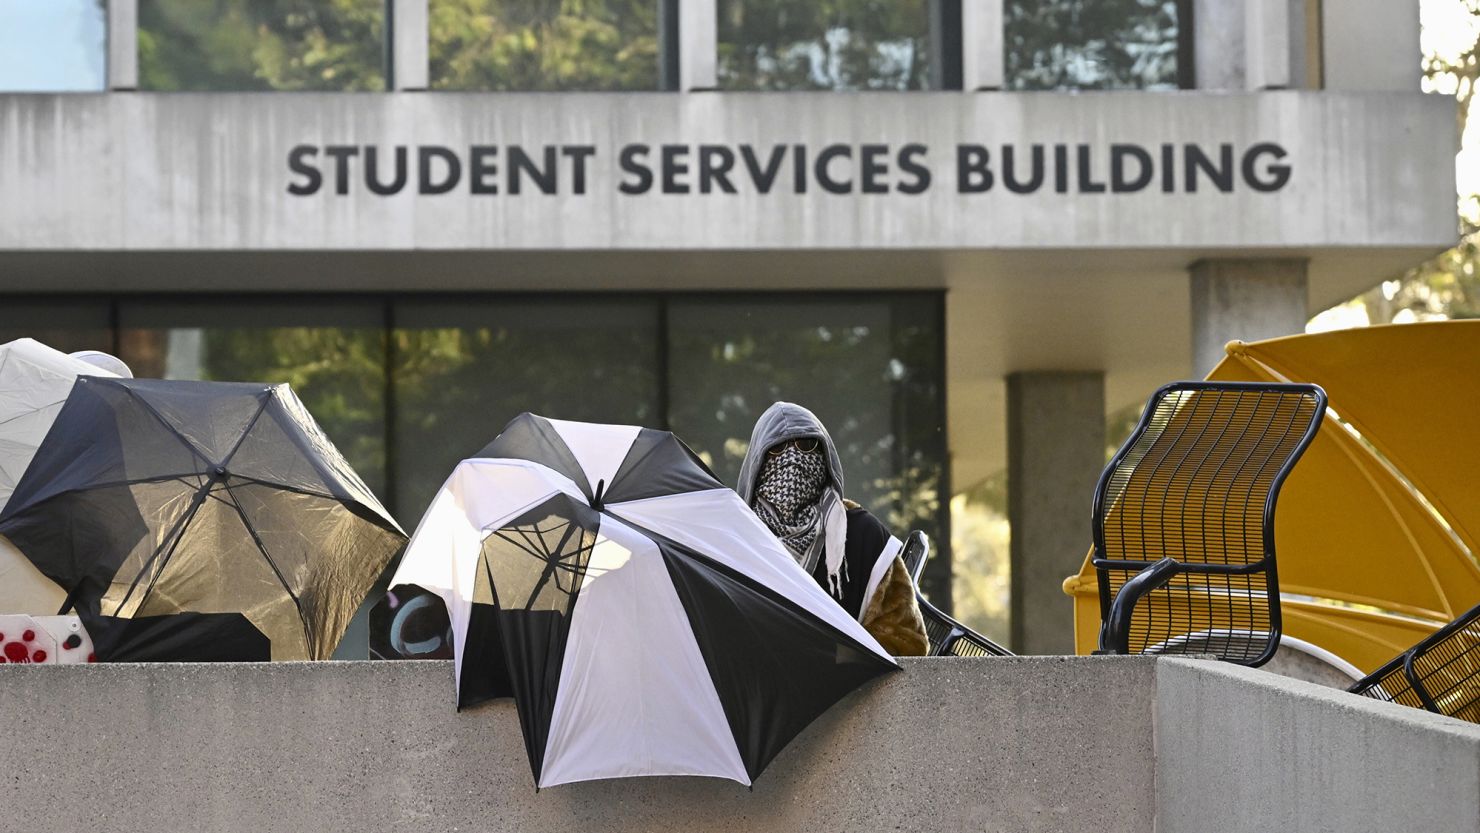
<point>152,498</point>
<point>1377,526</point>
<point>1353,525</point>
<point>641,616</point>
<point>34,382</point>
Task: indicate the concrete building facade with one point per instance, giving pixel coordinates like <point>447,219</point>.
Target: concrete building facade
<point>990,268</point>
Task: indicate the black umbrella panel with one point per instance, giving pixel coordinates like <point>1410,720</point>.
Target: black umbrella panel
<point>150,498</point>
<point>643,619</point>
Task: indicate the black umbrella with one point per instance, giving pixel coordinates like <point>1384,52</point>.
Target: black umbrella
<point>152,498</point>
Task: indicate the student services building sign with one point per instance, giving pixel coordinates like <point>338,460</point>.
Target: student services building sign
<point>836,168</point>
<point>721,171</point>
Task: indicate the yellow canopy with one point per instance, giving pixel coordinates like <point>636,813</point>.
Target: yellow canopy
<point>1348,527</point>
<point>1352,526</point>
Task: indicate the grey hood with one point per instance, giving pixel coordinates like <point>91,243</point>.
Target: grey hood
<point>783,422</point>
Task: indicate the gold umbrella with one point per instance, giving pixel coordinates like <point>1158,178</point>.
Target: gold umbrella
<point>1379,522</point>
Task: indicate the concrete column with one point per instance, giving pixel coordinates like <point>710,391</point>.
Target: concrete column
<point>1267,44</point>
<point>1370,45</point>
<point>983,55</point>
<point>123,44</point>
<point>1246,300</point>
<point>1055,452</point>
<point>407,26</point>
<point>1218,44</point>
<point>698,45</point>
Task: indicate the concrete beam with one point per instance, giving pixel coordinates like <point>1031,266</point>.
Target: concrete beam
<point>409,69</point>
<point>360,746</point>
<point>983,45</point>
<point>123,44</point>
<point>1243,751</point>
<point>1055,452</point>
<point>698,45</point>
<point>1063,744</point>
<point>1246,300</point>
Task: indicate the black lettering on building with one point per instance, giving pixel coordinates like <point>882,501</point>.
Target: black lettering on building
<point>426,179</point>
<point>372,171</point>
<point>298,163</point>
<point>632,162</point>
<point>907,163</point>
<point>972,174</point>
<point>715,162</point>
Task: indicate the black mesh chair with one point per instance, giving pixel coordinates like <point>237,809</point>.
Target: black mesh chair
<point>1184,520</point>
<point>948,638</point>
<point>1441,673</point>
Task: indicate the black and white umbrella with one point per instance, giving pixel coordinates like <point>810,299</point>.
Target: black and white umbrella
<point>643,619</point>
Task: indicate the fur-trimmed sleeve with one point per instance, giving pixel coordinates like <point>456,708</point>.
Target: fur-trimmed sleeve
<point>893,617</point>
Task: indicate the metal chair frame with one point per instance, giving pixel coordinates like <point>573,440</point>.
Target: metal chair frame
<point>1151,576</point>
<point>1404,670</point>
<point>948,638</point>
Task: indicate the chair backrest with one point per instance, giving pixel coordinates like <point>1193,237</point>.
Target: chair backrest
<point>1441,673</point>
<point>948,638</point>
<point>1197,482</point>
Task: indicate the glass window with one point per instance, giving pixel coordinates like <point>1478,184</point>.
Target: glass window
<point>600,45</point>
<point>870,369</point>
<point>332,353</point>
<point>823,45</point>
<point>1092,45</point>
<point>52,46</point>
<point>64,324</point>
<point>333,45</point>
<point>463,369</point>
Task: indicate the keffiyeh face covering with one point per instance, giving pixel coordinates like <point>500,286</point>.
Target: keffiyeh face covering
<point>789,488</point>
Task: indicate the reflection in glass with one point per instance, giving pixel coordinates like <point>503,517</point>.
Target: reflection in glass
<point>66,325</point>
<point>463,369</point>
<point>332,45</point>
<point>870,370</point>
<point>603,45</point>
<point>823,45</point>
<point>333,355</point>
<point>52,45</point>
<point>1099,45</point>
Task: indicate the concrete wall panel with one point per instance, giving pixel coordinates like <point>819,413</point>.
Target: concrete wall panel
<point>211,172</point>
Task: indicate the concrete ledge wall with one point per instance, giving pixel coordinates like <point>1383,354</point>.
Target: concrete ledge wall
<point>1257,752</point>
<point>949,745</point>
<point>1060,744</point>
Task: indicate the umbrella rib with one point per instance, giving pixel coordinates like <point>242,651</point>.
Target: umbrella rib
<point>31,412</point>
<point>286,488</point>
<point>172,541</point>
<point>166,423</point>
<point>262,408</point>
<point>262,548</point>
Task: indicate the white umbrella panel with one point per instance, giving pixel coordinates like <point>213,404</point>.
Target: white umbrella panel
<point>643,619</point>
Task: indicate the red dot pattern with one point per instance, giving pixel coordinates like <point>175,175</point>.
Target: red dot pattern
<point>16,652</point>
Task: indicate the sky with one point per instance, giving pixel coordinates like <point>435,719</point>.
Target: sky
<point>51,45</point>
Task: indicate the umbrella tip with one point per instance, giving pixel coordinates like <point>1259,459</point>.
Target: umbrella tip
<point>596,498</point>
<point>1234,348</point>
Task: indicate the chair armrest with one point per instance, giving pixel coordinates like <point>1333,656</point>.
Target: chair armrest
<point>1115,633</point>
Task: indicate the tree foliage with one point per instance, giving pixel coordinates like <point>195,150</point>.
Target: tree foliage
<point>823,45</point>
<point>1091,44</point>
<point>601,45</point>
<point>1448,285</point>
<point>336,45</point>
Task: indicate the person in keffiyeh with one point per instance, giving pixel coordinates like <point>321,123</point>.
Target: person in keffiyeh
<point>793,479</point>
